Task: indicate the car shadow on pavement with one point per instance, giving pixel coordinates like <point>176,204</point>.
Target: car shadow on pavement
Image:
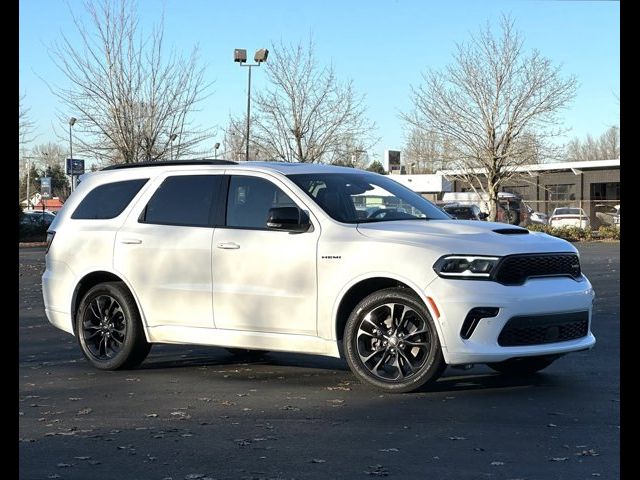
<point>271,365</point>
<point>488,381</point>
<point>219,358</point>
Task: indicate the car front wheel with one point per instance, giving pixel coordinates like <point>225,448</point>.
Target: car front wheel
<point>390,342</point>
<point>109,329</point>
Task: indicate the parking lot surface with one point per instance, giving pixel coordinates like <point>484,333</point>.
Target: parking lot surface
<point>194,412</point>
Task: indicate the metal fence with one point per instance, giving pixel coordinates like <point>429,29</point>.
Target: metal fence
<point>599,212</point>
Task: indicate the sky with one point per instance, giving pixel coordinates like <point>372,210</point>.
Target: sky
<point>383,46</point>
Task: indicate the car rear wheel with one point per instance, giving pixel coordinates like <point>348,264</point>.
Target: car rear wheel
<point>390,342</point>
<point>523,366</point>
<point>109,328</point>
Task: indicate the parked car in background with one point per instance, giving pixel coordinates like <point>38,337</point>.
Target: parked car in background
<point>33,225</point>
<point>536,217</point>
<point>569,217</point>
<point>606,214</point>
<point>511,208</point>
<point>37,218</point>
<point>464,212</point>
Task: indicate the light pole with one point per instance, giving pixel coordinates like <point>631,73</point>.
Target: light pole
<point>172,137</point>
<point>215,150</point>
<point>72,122</point>
<point>240,56</point>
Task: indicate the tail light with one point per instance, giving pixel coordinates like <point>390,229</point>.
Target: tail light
<point>50,236</point>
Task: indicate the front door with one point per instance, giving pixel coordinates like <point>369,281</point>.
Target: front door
<point>264,280</point>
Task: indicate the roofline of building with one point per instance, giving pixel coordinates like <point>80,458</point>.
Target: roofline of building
<point>542,167</point>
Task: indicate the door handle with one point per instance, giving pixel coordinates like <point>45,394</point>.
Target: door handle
<point>131,241</point>
<point>229,246</point>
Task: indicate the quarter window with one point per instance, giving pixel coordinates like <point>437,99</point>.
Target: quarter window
<point>250,199</point>
<point>108,200</point>
<point>183,200</point>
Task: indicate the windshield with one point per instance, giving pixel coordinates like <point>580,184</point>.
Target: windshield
<point>360,197</point>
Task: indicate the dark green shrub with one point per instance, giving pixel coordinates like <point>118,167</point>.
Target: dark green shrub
<point>571,234</point>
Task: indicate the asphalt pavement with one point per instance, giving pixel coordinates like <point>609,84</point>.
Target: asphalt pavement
<point>193,412</point>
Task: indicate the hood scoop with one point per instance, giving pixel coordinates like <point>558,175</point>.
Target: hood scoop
<point>512,231</point>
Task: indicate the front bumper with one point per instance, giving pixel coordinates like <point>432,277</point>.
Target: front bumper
<point>539,296</point>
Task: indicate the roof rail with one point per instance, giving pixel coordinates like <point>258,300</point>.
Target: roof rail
<point>164,163</point>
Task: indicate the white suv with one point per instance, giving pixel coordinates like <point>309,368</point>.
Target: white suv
<point>315,259</point>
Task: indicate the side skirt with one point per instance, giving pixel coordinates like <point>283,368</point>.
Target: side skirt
<point>276,342</point>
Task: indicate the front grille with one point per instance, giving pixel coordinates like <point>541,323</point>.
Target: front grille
<point>540,329</point>
<point>516,269</point>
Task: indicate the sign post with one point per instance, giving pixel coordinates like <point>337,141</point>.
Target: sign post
<point>45,187</point>
<point>75,166</point>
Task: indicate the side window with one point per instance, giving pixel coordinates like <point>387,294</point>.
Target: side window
<point>250,199</point>
<point>108,200</point>
<point>185,200</point>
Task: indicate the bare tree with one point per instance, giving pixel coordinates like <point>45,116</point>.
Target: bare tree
<point>306,114</point>
<point>130,97</point>
<point>606,147</point>
<point>48,155</point>
<point>26,126</point>
<point>426,151</point>
<point>497,106</point>
<point>235,137</point>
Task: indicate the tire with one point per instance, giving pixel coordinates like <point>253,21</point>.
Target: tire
<point>247,353</point>
<point>109,329</point>
<point>511,217</point>
<point>522,366</point>
<point>376,345</point>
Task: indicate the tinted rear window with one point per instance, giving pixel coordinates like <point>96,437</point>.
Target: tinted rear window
<point>108,200</point>
<point>183,200</point>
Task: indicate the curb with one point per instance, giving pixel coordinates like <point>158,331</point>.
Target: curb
<point>31,244</point>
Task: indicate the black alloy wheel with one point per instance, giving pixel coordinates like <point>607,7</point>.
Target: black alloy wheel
<point>391,342</point>
<point>109,329</point>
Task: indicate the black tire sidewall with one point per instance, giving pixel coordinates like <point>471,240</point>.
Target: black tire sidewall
<point>429,372</point>
<point>134,343</point>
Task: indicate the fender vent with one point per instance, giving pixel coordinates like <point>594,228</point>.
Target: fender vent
<point>512,231</point>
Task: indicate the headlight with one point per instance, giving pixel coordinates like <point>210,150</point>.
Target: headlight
<point>465,266</point>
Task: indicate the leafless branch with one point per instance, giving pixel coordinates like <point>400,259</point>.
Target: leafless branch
<point>307,115</point>
<point>129,96</point>
<point>495,105</point>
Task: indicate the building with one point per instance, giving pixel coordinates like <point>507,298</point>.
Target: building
<point>591,185</point>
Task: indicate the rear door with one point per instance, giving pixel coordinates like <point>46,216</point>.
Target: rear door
<point>164,248</point>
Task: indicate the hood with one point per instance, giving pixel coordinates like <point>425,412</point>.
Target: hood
<point>466,236</point>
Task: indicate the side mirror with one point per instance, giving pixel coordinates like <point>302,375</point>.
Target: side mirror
<point>483,215</point>
<point>288,219</point>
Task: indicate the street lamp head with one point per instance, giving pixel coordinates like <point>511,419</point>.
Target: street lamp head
<point>240,55</point>
<point>72,121</point>
<point>261,55</point>
<point>217,145</point>
<point>172,137</point>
